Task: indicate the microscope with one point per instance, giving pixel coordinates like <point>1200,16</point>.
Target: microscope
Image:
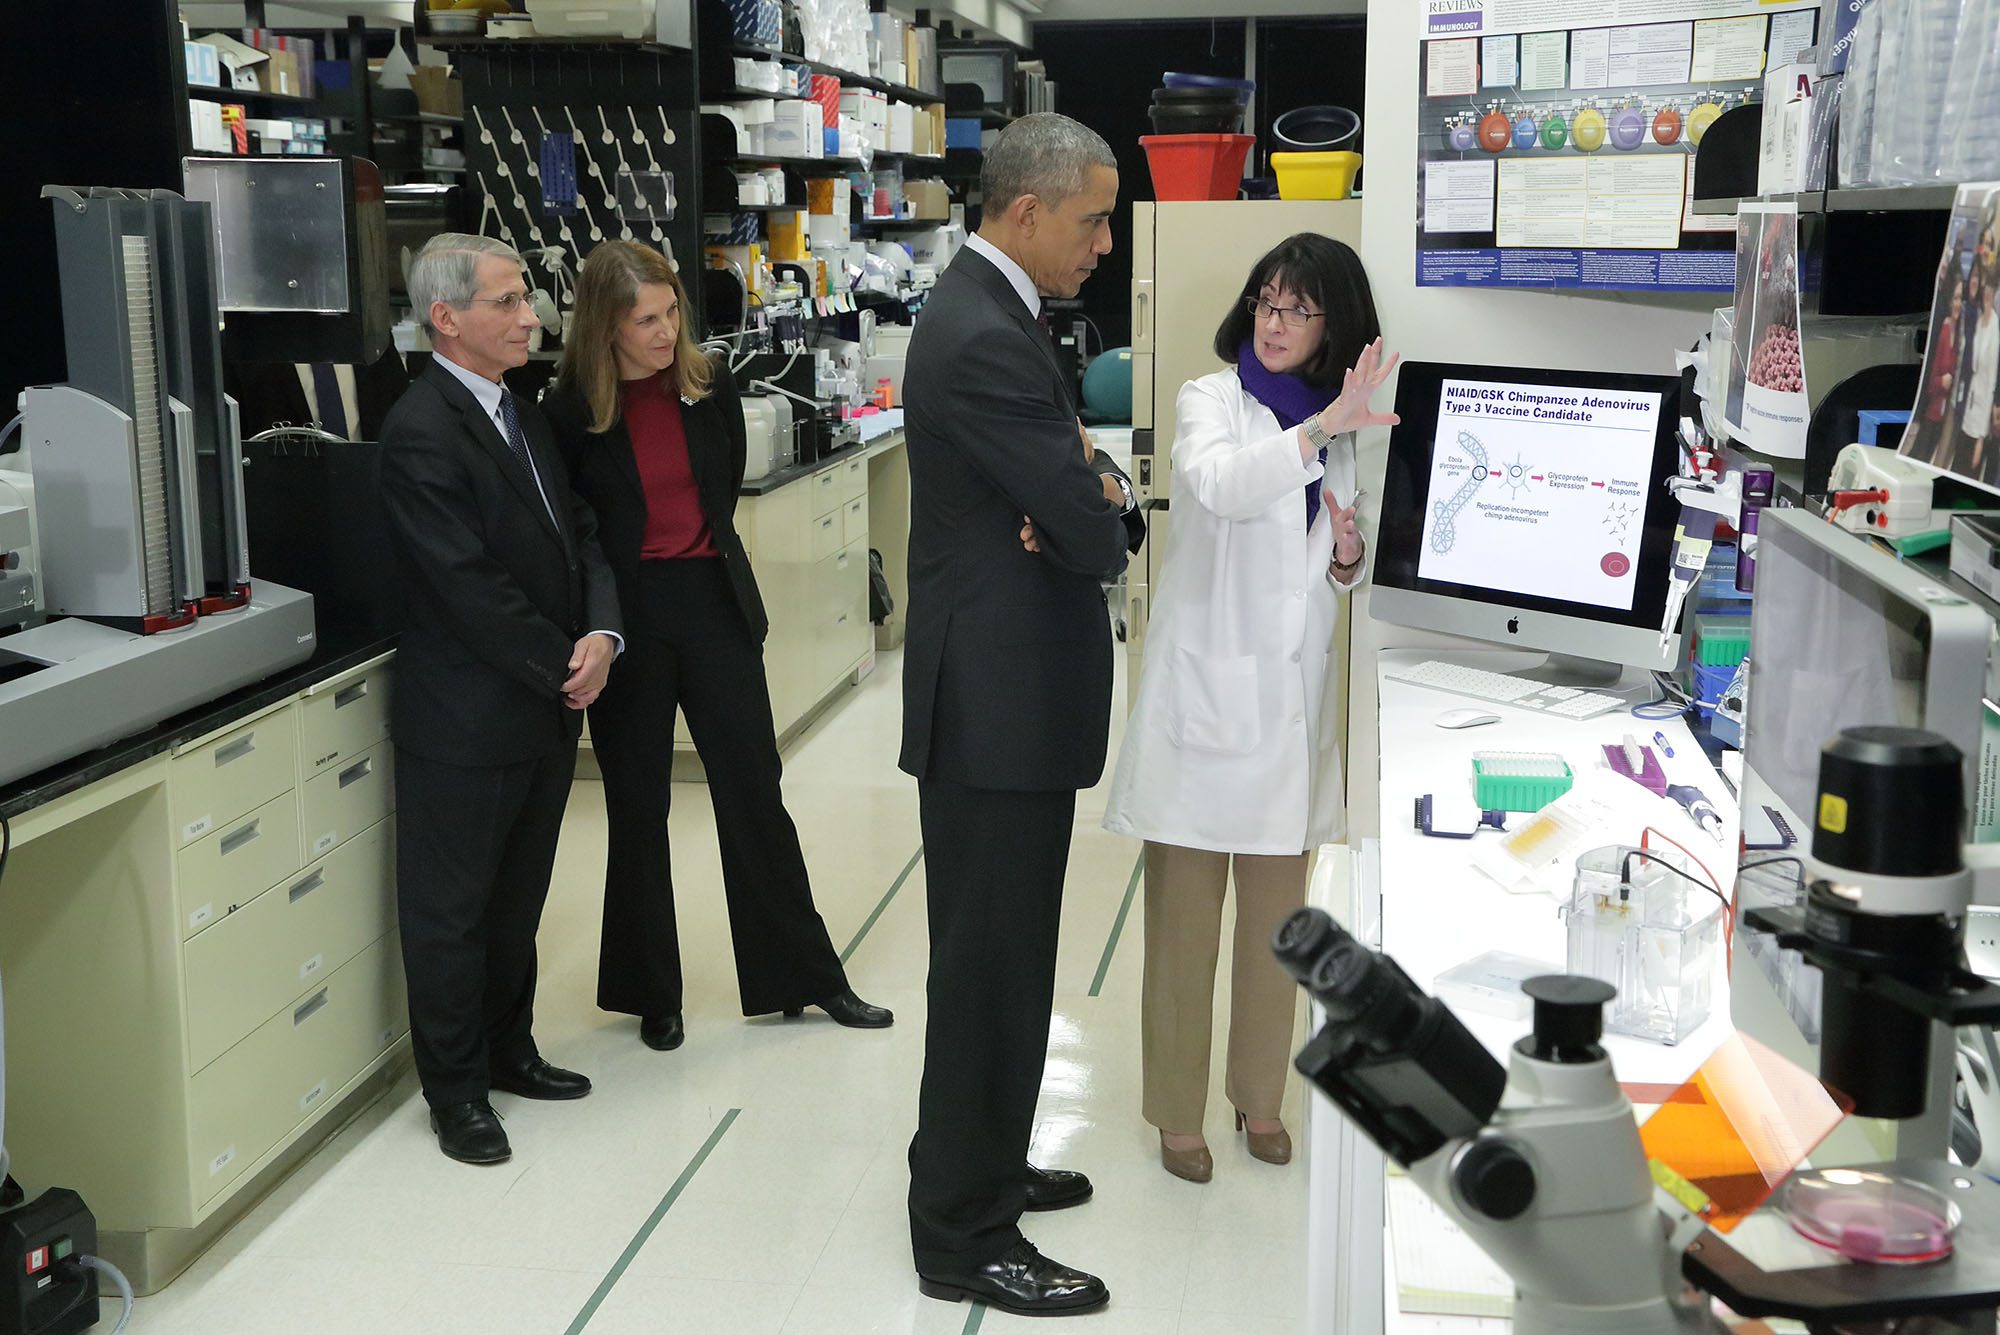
<point>1541,1162</point>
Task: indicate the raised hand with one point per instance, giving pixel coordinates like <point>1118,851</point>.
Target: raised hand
<point>1350,412</point>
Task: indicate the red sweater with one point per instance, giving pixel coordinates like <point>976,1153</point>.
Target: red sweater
<point>675,525</point>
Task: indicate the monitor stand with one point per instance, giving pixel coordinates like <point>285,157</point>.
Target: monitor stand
<point>1569,670</point>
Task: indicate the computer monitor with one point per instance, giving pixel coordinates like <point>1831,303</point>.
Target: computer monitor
<point>1844,635</point>
<point>1529,508</point>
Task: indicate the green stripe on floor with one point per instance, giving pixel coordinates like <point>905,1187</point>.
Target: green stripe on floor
<point>901,877</point>
<point>1118,924</point>
<point>618,1268</point>
<point>973,1318</point>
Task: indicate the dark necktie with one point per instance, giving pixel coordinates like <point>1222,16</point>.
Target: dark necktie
<point>517,441</point>
<point>332,409</point>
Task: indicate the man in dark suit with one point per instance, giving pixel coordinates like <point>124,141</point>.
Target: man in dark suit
<point>511,627</point>
<point>1006,699</point>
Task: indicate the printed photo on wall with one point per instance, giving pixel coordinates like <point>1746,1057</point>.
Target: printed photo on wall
<point>1775,409</point>
<point>1955,422</point>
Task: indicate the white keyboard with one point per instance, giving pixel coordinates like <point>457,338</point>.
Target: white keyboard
<point>1500,689</point>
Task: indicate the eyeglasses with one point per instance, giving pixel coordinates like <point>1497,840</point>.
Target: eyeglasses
<point>1294,317</point>
<point>506,305</point>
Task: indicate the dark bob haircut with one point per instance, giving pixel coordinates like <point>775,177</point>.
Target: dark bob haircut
<point>1328,274</point>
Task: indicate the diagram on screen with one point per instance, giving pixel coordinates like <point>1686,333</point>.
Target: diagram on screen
<point>1538,489</point>
<point>1618,521</point>
<point>1444,535</point>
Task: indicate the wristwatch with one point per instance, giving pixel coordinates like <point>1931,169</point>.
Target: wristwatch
<point>1344,566</point>
<point>1315,433</point>
<point>1125,490</point>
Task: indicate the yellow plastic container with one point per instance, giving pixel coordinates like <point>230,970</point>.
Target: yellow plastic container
<point>1315,175</point>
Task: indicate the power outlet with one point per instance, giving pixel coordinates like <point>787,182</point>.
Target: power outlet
<point>46,1293</point>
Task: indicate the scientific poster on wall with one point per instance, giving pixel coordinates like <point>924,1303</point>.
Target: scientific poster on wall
<point>1955,422</point>
<point>1767,379</point>
<point>1556,138</point>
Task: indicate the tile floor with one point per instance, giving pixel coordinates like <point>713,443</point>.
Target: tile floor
<point>754,1180</point>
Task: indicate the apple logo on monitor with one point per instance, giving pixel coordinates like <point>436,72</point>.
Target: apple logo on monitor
<point>1513,625</point>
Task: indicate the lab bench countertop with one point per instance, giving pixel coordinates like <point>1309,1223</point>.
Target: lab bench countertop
<point>784,477</point>
<point>336,651</point>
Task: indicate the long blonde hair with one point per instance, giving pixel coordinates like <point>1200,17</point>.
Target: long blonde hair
<point>605,294</point>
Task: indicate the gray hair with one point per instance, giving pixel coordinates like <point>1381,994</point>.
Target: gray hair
<point>1046,155</point>
<point>447,270</point>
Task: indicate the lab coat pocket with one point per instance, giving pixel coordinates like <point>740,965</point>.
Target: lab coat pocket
<point>1212,703</point>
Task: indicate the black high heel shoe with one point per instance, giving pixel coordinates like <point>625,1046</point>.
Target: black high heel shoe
<point>850,1010</point>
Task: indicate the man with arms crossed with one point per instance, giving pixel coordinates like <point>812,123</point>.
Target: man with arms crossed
<point>1006,699</point>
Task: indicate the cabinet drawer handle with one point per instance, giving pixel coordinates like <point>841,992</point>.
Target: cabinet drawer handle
<point>356,772</point>
<point>347,695</point>
<point>826,522</point>
<point>310,1008</point>
<point>240,836</point>
<point>235,750</point>
<point>840,562</point>
<point>308,885</point>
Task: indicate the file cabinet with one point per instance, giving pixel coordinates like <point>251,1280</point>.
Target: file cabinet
<point>202,967</point>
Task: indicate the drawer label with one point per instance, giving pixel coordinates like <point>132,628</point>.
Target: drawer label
<point>312,1096</point>
<point>221,1161</point>
<point>201,915</point>
<point>311,967</point>
<point>197,827</point>
<point>325,841</point>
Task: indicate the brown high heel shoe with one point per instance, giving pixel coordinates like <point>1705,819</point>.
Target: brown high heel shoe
<point>1195,1165</point>
<point>1270,1146</point>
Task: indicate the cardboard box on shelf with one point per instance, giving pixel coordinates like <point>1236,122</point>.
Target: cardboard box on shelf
<point>239,58</point>
<point>865,105</point>
<point>927,199</point>
<point>279,73</point>
<point>788,236</point>
<point>902,127</point>
<point>438,90</point>
<point>204,66</point>
<point>796,130</point>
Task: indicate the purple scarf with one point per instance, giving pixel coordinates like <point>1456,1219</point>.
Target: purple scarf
<point>1290,399</point>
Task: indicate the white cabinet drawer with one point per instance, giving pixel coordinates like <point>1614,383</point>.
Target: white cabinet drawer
<point>854,521</point>
<point>826,539</point>
<point>248,1099</point>
<point>826,494</point>
<point>839,582</point>
<point>229,867</point>
<point>343,717</point>
<point>853,478</point>
<point>347,800</point>
<point>238,772</point>
<point>305,928</point>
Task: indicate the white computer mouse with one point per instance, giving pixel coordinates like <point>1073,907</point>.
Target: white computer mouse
<point>1464,718</point>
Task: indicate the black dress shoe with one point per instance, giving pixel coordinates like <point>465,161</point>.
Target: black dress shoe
<point>662,1033</point>
<point>470,1132</point>
<point>1055,1188</point>
<point>850,1010</point>
<point>1022,1281</point>
<point>536,1079</point>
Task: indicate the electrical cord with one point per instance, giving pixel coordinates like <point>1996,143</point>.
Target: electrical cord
<point>8,430</point>
<point>84,1261</point>
<point>1672,701</point>
<point>1650,855</point>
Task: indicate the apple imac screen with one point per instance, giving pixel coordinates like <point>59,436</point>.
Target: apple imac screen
<point>1529,508</point>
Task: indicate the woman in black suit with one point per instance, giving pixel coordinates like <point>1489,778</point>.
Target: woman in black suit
<point>652,431</point>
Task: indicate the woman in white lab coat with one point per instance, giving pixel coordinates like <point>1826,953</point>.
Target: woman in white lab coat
<point>1225,755</point>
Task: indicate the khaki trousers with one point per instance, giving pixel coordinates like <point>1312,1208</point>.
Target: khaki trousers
<point>1184,890</point>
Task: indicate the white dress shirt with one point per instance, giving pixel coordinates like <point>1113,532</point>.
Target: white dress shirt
<point>1016,275</point>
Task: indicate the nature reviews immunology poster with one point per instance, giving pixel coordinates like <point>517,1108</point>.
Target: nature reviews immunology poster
<point>1556,138</point>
